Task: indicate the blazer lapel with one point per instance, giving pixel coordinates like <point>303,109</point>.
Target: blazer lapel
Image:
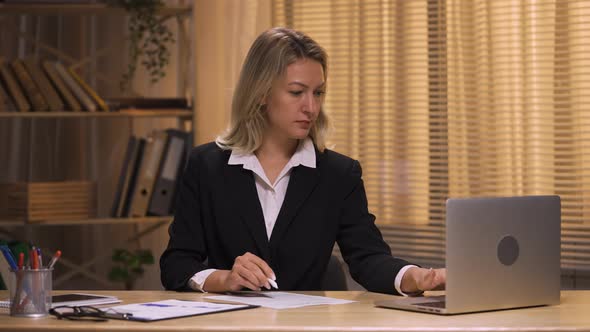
<point>301,184</point>
<point>241,189</point>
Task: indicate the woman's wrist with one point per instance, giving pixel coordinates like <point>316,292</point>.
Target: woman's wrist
<point>216,281</point>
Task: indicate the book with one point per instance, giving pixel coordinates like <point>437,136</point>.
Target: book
<point>13,88</point>
<point>89,91</point>
<point>71,103</point>
<point>38,75</point>
<point>29,87</point>
<point>173,159</point>
<point>6,104</point>
<point>83,98</point>
<point>75,299</point>
<point>131,179</point>
<point>79,299</point>
<point>127,164</point>
<point>152,154</point>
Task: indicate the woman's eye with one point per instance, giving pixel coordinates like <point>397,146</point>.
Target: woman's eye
<point>320,93</point>
<point>296,93</point>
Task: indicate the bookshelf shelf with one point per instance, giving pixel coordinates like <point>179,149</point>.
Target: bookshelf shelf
<point>95,221</point>
<point>81,9</point>
<point>135,113</point>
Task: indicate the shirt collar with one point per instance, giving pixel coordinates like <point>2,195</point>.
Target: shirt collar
<point>304,155</point>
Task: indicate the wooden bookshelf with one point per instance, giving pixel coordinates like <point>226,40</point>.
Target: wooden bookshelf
<point>14,225</point>
<point>132,113</point>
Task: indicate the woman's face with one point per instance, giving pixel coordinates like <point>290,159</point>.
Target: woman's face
<point>295,99</point>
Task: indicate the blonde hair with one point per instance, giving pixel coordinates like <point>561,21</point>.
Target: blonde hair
<point>267,60</point>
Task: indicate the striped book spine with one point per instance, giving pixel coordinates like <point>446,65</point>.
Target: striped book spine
<point>83,98</point>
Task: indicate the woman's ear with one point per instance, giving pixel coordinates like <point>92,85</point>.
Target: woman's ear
<point>263,102</point>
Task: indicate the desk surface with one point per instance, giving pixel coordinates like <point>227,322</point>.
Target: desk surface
<point>573,314</point>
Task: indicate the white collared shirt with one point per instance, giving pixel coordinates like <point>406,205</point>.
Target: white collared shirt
<point>272,195</point>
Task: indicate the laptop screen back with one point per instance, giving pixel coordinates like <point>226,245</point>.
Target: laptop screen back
<point>502,252</point>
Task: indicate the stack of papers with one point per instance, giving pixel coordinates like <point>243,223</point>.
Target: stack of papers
<point>278,300</point>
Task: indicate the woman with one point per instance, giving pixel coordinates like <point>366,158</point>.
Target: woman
<point>264,205</point>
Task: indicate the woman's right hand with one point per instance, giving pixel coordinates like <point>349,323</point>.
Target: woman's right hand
<point>249,271</point>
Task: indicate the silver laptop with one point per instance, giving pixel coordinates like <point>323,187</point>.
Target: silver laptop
<point>501,253</point>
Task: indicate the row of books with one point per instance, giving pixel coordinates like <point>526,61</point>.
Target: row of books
<point>43,85</point>
<point>150,172</point>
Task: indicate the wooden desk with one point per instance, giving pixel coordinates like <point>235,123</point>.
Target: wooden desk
<point>573,314</point>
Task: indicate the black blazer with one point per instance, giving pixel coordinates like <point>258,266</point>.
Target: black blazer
<point>218,217</point>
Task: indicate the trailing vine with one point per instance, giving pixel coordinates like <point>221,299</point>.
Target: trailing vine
<point>148,39</point>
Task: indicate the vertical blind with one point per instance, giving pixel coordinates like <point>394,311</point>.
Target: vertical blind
<point>456,98</point>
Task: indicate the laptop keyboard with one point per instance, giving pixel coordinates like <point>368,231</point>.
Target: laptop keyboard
<point>439,304</point>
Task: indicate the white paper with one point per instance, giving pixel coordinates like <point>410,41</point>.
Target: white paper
<point>279,300</point>
<point>171,309</point>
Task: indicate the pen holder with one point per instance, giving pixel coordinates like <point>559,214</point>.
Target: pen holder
<point>30,292</point>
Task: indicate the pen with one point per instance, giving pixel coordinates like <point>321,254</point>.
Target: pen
<point>40,257</point>
<point>34,259</point>
<point>117,315</point>
<point>54,259</point>
<point>273,283</point>
<point>21,260</point>
<point>247,294</point>
<point>8,256</point>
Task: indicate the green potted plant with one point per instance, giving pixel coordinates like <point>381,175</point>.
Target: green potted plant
<point>148,39</point>
<point>129,265</point>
